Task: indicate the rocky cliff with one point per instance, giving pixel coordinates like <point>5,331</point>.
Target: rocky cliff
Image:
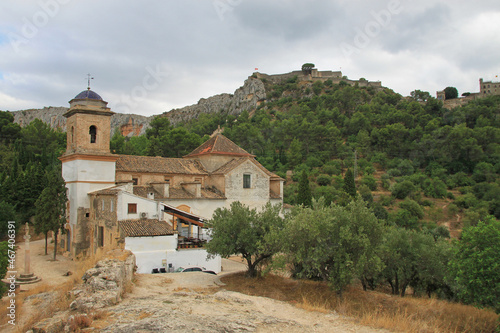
<point>247,97</point>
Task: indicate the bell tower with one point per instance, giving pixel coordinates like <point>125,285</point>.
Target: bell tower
<point>87,164</point>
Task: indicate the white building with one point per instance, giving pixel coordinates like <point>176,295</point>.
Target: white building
<point>153,206</point>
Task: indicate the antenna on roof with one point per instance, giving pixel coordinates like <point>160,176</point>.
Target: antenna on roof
<point>89,77</point>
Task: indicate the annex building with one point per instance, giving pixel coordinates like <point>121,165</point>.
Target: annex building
<point>154,206</point>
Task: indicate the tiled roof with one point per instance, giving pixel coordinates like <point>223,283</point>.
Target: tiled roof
<point>159,165</point>
<point>145,227</point>
<point>219,144</point>
<point>237,161</point>
<point>177,193</point>
<point>107,191</point>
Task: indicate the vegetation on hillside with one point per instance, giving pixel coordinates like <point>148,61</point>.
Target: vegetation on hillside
<point>421,171</point>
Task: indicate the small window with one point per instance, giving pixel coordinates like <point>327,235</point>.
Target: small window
<point>247,181</point>
<point>93,134</point>
<point>132,208</point>
<point>100,237</point>
<point>135,181</point>
<point>111,205</point>
<point>103,205</point>
<point>167,179</point>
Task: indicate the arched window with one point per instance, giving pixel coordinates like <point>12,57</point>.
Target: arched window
<point>93,134</point>
<point>72,135</point>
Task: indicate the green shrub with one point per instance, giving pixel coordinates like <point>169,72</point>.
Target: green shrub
<point>403,189</point>
<point>323,180</point>
<point>413,207</point>
<point>379,211</point>
<point>434,188</point>
<point>386,200</point>
<point>365,193</point>
<point>404,219</point>
<point>484,172</point>
<point>466,201</point>
<point>369,181</point>
<point>394,172</point>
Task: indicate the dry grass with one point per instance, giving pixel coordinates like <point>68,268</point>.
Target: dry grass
<point>62,298</point>
<point>374,309</point>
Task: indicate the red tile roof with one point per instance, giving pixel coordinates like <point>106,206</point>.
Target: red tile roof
<point>219,144</point>
<point>159,165</point>
<point>237,161</point>
<point>145,227</point>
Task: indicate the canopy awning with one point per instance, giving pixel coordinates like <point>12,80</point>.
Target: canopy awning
<point>176,212</point>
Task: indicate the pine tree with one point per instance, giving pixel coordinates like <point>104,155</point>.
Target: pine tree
<point>304,196</point>
<point>349,184</point>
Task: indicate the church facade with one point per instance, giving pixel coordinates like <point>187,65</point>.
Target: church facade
<point>150,205</point>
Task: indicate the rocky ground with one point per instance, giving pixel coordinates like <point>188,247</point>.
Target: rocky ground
<point>185,302</point>
<point>190,302</point>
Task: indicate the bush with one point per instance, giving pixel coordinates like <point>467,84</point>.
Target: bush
<point>404,219</point>
<point>460,179</point>
<point>379,211</point>
<point>369,170</point>
<point>370,182</point>
<point>413,207</point>
<point>386,183</point>
<point>365,193</point>
<point>484,172</point>
<point>466,201</point>
<point>406,167</point>
<point>324,180</point>
<point>329,193</point>
<point>386,200</point>
<point>394,172</point>
<point>313,161</point>
<point>403,189</point>
<point>434,188</point>
<point>333,167</point>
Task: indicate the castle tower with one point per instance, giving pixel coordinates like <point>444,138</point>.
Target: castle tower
<point>87,164</point>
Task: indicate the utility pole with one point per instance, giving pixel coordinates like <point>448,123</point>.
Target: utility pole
<point>355,166</point>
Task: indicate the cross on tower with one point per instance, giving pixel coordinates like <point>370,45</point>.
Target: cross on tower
<point>89,77</point>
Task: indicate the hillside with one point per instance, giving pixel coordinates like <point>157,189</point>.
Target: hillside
<point>248,97</point>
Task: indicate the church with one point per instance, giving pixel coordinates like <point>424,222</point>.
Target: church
<point>152,206</point>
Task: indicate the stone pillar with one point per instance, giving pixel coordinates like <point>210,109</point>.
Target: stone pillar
<point>27,250</point>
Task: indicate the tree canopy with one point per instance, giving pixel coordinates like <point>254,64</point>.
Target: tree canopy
<point>247,232</point>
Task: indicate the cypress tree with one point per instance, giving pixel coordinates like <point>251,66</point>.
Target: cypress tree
<point>304,196</point>
<point>349,184</point>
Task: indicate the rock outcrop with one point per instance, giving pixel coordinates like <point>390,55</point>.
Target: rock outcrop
<point>247,97</point>
<point>104,284</point>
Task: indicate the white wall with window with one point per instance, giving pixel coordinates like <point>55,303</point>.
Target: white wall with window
<point>132,207</point>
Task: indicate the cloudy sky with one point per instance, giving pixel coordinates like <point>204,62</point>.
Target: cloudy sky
<point>148,57</point>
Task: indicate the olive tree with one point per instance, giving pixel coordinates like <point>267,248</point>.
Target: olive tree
<point>333,243</point>
<point>247,232</point>
<point>475,267</point>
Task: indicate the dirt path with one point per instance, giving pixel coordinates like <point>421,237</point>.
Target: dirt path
<point>52,272</point>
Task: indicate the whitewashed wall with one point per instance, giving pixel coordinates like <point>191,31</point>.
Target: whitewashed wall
<point>148,206</point>
<point>193,257</point>
<point>160,251</point>
<point>150,251</point>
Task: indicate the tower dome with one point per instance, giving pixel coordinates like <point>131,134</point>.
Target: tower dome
<point>88,94</point>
